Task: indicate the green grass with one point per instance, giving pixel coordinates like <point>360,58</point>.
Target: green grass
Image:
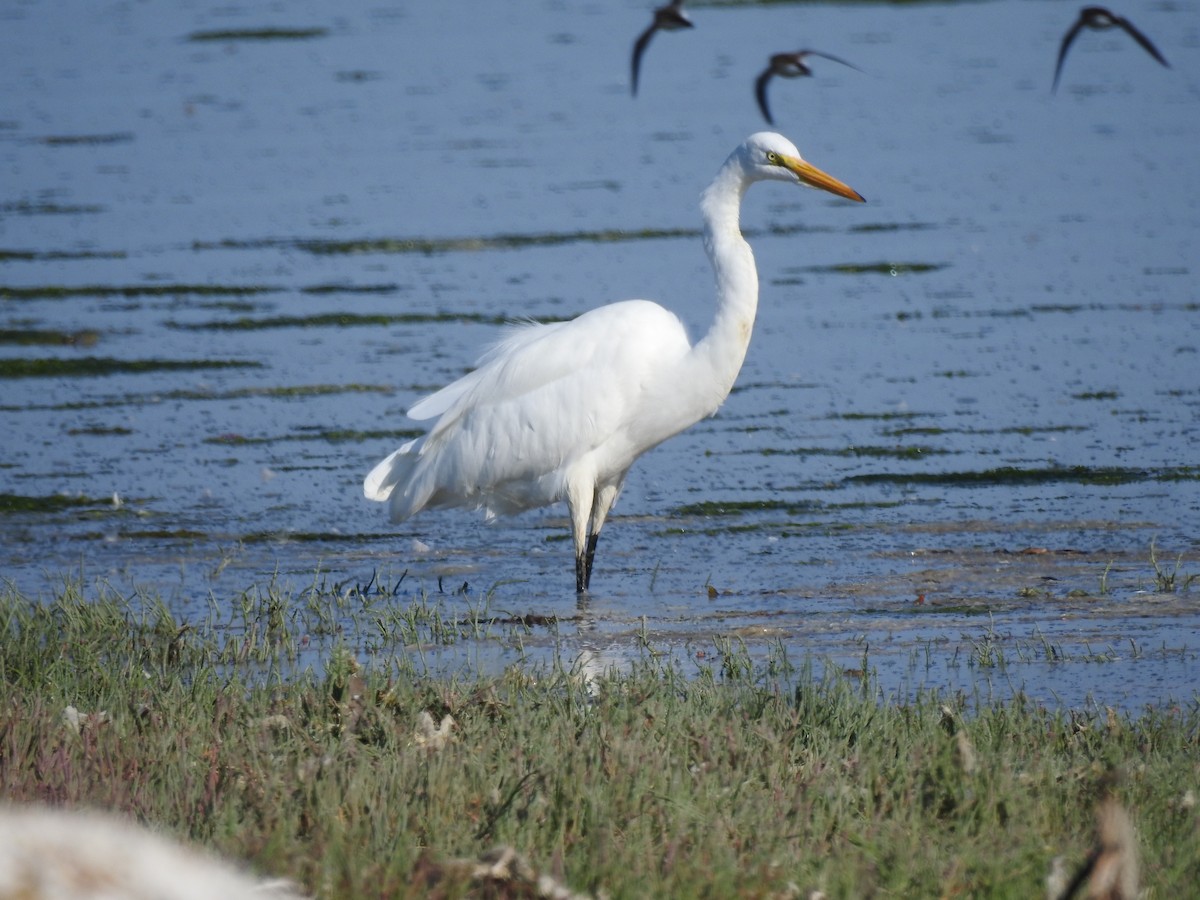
<point>250,729</point>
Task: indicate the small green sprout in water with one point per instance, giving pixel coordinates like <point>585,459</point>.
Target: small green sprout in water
<point>1167,582</point>
<point>1104,586</point>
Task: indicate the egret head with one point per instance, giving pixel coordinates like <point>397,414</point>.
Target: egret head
<point>770,156</point>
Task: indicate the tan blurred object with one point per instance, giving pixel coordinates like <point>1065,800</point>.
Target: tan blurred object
<point>1111,870</point>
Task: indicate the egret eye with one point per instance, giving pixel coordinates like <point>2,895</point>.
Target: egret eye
<point>773,157</point>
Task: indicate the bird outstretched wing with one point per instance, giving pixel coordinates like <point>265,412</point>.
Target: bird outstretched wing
<point>639,47</point>
<point>1068,38</point>
<point>1100,18</point>
<point>1141,39</point>
<point>760,91</point>
<point>543,396</point>
<point>832,58</point>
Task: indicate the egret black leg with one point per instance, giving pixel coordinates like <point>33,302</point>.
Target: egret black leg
<point>581,575</point>
<point>592,541</point>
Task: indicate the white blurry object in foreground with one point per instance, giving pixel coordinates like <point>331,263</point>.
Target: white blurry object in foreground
<point>52,854</point>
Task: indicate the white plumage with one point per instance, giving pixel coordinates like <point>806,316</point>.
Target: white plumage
<point>561,411</point>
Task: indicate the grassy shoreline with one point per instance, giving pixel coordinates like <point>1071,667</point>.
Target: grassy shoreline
<point>751,780</point>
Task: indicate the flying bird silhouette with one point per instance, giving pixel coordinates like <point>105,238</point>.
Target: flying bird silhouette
<point>561,411</point>
<point>788,65</point>
<point>1099,19</point>
<point>666,18</point>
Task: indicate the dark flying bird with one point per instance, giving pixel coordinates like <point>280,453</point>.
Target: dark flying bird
<point>1098,18</point>
<point>788,65</point>
<point>666,18</point>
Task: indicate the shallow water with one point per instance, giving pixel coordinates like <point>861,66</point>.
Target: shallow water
<point>236,245</point>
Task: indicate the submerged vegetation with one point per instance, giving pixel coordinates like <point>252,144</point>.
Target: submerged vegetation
<point>329,435</point>
<point>286,392</point>
<point>251,729</point>
<point>31,337</point>
<point>128,291</point>
<point>1009,475</point>
<point>91,366</point>
<point>225,35</point>
<point>340,320</point>
<point>10,503</point>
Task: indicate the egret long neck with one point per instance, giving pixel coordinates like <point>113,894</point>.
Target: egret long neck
<point>722,350</point>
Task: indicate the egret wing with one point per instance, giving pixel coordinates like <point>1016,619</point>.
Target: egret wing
<point>512,339</point>
<point>543,398</point>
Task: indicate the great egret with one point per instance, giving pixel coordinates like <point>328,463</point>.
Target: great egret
<point>1098,18</point>
<point>787,65</point>
<point>560,411</point>
<point>666,18</point>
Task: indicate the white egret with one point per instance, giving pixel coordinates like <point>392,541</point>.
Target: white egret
<point>560,411</point>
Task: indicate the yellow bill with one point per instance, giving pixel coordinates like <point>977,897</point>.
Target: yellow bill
<point>814,177</point>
